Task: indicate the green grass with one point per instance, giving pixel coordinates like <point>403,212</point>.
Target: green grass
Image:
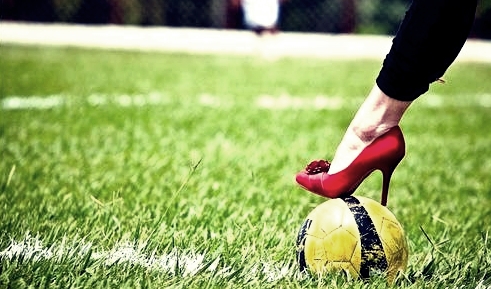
<point>180,177</point>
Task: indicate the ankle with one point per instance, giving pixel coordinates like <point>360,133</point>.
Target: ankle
<point>368,133</point>
<point>378,113</point>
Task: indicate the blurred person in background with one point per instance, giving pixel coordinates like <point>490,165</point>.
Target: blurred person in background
<point>429,39</point>
<point>261,17</point>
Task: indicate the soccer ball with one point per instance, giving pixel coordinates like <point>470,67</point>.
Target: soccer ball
<point>353,234</point>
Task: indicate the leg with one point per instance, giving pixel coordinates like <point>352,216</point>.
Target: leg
<point>428,41</point>
<point>376,115</point>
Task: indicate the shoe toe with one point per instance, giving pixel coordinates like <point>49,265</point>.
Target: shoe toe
<point>303,179</point>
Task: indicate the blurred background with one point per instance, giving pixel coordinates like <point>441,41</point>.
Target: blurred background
<point>318,16</point>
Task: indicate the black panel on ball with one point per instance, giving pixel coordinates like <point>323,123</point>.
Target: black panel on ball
<point>372,250</point>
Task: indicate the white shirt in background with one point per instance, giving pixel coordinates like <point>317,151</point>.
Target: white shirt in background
<point>261,13</point>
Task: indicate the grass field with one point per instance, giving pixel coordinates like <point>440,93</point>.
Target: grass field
<point>153,170</point>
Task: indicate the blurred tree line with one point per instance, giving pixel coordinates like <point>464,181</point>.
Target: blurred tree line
<point>331,16</point>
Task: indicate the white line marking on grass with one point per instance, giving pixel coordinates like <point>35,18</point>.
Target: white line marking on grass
<point>209,100</point>
<point>32,102</point>
<point>32,249</point>
<point>268,102</point>
<point>485,100</point>
<point>125,100</point>
<point>433,100</point>
<point>285,101</point>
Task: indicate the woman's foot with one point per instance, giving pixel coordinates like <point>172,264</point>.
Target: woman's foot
<point>383,154</point>
<point>378,115</point>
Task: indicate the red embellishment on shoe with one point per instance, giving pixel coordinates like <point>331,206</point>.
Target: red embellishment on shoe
<point>316,167</point>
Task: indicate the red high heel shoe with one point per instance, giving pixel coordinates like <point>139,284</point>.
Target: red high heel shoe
<point>383,154</point>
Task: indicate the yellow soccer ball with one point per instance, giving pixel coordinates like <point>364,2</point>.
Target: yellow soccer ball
<point>354,234</point>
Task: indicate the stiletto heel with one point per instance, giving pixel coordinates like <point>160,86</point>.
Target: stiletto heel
<point>383,154</point>
<point>385,187</point>
<point>386,175</point>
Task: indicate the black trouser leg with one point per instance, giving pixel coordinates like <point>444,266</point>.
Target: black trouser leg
<point>429,39</point>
